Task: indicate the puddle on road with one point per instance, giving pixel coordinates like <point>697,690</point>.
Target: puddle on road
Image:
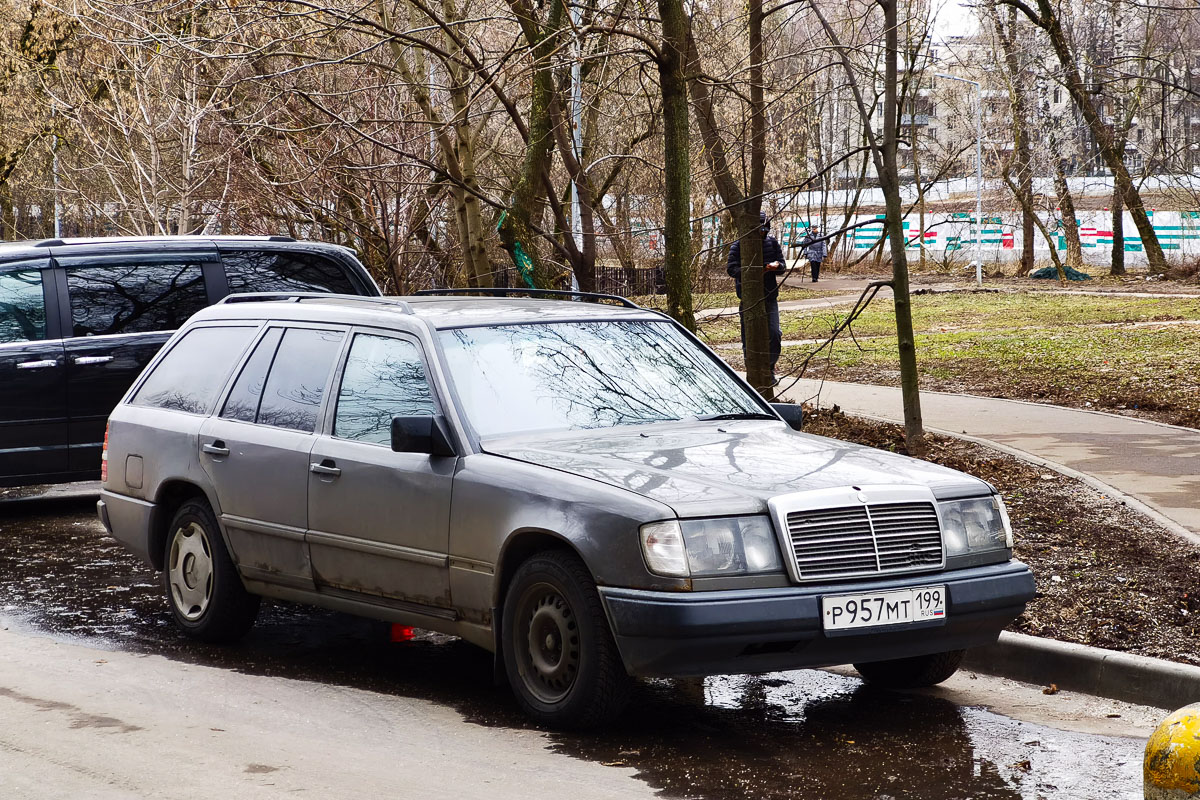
<point>805,734</point>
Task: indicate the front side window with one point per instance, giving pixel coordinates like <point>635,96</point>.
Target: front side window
<point>134,297</point>
<point>291,397</point>
<point>191,374</point>
<point>384,378</point>
<point>22,307</point>
<point>282,271</point>
<point>527,378</point>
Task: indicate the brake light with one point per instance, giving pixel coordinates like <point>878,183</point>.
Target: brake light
<point>104,458</point>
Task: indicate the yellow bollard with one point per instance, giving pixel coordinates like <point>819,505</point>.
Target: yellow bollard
<point>1171,770</point>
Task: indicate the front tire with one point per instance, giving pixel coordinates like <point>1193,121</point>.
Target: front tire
<point>911,673</point>
<point>207,599</point>
<point>559,653</point>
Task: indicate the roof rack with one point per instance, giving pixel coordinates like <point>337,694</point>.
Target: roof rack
<point>489,292</point>
<point>265,238</point>
<point>299,297</point>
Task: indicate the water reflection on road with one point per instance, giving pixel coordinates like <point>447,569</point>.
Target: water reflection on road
<point>805,734</point>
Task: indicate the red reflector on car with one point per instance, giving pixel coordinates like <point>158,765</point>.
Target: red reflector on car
<point>104,458</point>
<point>402,633</point>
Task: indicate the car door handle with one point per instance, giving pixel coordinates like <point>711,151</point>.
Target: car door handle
<point>215,449</point>
<point>325,467</point>
<point>45,363</point>
<point>91,359</point>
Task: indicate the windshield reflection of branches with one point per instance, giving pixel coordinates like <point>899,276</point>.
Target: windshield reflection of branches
<point>615,373</point>
<point>589,375</point>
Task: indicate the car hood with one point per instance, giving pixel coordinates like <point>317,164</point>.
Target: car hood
<point>702,468</point>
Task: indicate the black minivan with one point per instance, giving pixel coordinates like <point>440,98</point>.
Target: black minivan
<point>80,318</point>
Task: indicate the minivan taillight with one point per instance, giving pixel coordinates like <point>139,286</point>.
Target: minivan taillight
<point>104,458</point>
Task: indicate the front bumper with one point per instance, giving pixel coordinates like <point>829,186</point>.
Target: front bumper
<point>764,630</point>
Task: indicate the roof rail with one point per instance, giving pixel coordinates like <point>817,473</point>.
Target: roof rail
<point>281,238</point>
<point>299,297</point>
<point>489,292</point>
<point>49,243</point>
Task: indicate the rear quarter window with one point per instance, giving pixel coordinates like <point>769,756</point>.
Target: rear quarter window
<point>190,376</point>
<point>22,309</point>
<point>284,271</point>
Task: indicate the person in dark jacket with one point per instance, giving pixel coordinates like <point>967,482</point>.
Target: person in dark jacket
<point>773,266</point>
<point>814,250</point>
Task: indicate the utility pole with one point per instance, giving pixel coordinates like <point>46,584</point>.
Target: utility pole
<point>977,226</point>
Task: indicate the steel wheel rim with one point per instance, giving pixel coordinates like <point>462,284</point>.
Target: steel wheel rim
<point>190,571</point>
<point>547,641</point>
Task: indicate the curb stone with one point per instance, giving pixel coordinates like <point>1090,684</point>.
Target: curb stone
<point>1090,670</point>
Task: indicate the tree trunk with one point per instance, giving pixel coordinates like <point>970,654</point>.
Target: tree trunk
<point>1118,235</point>
<point>1022,155</point>
<point>1066,204</point>
<point>889,180</point>
<point>518,227</point>
<point>1111,150</point>
<point>677,263</point>
<point>743,207</point>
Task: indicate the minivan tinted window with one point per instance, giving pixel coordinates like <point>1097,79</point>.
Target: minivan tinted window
<point>281,271</point>
<point>22,307</point>
<point>134,297</point>
<point>191,375</point>
<point>296,384</point>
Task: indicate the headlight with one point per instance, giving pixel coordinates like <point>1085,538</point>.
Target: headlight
<point>975,526</point>
<point>707,547</point>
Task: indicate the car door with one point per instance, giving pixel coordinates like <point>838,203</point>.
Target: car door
<point>379,520</point>
<point>33,393</point>
<point>123,308</point>
<point>256,451</point>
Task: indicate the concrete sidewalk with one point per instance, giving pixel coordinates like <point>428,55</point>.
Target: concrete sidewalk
<point>1153,467</point>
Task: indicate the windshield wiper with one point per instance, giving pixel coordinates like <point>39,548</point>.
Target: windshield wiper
<point>737,415</point>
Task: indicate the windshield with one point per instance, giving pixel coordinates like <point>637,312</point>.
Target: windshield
<point>560,376</point>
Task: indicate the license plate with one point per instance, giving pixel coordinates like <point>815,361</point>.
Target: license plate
<point>840,612</point>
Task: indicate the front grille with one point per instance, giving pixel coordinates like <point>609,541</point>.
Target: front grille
<point>865,540</point>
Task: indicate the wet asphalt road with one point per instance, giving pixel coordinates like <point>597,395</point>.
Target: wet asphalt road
<point>805,734</point>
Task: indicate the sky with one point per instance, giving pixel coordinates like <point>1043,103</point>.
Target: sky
<point>953,19</point>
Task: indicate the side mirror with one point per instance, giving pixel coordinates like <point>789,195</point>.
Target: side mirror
<point>792,413</point>
<point>421,434</point>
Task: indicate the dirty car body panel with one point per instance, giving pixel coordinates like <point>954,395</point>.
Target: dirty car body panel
<point>712,537</point>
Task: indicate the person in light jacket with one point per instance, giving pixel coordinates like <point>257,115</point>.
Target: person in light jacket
<point>773,266</point>
<point>814,250</point>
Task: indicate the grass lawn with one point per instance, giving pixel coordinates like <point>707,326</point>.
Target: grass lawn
<point>701,301</point>
<point>1117,353</point>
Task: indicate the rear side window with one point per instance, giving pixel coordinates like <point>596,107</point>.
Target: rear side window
<point>191,375</point>
<point>384,378</point>
<point>22,307</point>
<point>134,297</point>
<point>282,271</point>
<point>246,393</point>
<point>295,385</point>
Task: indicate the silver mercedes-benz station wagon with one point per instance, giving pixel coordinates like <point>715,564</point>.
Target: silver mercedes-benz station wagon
<point>582,488</point>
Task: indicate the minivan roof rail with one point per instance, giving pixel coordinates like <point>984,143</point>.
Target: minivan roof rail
<point>299,297</point>
<point>490,292</point>
<point>221,239</point>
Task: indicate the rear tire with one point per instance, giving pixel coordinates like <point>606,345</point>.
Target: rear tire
<point>911,673</point>
<point>559,653</point>
<point>206,596</point>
